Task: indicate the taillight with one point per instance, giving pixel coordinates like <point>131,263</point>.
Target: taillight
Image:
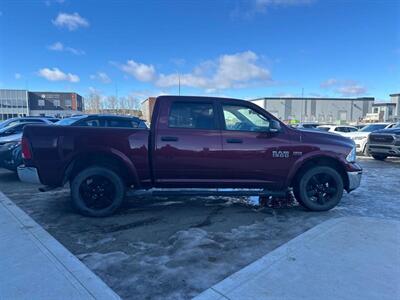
<point>26,149</point>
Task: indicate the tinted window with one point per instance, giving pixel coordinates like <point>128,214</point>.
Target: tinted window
<point>67,121</point>
<point>310,125</point>
<point>121,123</point>
<point>90,122</point>
<point>323,128</point>
<point>373,127</point>
<point>341,129</point>
<point>244,119</point>
<point>350,129</point>
<point>191,115</point>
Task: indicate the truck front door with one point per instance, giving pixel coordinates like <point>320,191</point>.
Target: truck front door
<point>253,155</point>
<point>187,143</point>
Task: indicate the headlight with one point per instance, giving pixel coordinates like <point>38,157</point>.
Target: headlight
<point>359,138</point>
<point>351,157</point>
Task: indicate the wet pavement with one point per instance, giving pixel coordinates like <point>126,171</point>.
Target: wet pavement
<point>174,248</point>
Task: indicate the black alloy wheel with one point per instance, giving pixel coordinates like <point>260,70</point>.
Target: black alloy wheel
<point>319,188</point>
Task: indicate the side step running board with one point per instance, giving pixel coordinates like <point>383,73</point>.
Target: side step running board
<point>207,192</point>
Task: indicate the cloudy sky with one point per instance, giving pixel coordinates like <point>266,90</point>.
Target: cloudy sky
<point>243,49</point>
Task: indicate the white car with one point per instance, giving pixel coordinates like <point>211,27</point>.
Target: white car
<point>361,137</point>
<point>339,129</point>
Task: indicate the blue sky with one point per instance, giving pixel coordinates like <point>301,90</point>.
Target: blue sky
<point>243,49</point>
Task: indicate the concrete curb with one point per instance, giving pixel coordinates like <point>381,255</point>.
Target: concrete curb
<point>78,280</point>
<point>353,244</point>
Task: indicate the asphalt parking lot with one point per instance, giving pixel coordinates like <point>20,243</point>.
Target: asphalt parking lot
<point>174,248</point>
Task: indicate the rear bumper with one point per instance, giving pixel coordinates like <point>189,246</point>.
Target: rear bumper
<point>354,180</point>
<point>28,174</point>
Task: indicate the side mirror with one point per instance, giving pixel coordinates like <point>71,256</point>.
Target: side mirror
<point>274,126</point>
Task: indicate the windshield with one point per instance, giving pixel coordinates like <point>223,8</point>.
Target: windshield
<point>373,127</point>
<point>67,121</point>
<point>4,129</point>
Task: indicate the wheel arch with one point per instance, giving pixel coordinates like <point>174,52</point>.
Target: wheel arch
<point>114,160</point>
<point>319,160</point>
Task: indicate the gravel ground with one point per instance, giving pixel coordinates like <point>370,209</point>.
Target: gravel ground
<point>174,248</point>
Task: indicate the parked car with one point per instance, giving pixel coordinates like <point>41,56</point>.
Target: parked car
<point>339,129</point>
<point>361,137</point>
<point>310,125</point>
<point>384,143</point>
<point>10,145</point>
<point>100,120</point>
<point>193,142</point>
<point>11,158</point>
<point>12,121</point>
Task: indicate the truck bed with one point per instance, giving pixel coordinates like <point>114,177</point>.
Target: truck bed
<point>54,148</point>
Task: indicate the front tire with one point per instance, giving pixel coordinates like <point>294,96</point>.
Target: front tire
<point>97,192</point>
<point>319,188</point>
<point>379,156</point>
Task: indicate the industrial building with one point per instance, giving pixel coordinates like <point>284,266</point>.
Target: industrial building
<point>324,110</point>
<point>14,103</point>
<point>147,107</point>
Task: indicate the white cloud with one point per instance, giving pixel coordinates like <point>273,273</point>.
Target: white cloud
<point>56,74</point>
<point>261,5</point>
<point>228,71</point>
<point>58,46</point>
<point>49,2</point>
<point>17,76</point>
<point>344,87</point>
<point>352,90</point>
<point>141,72</point>
<point>101,76</point>
<point>329,83</point>
<point>70,21</point>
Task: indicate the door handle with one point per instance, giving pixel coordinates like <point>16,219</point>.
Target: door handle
<point>169,138</point>
<point>234,141</point>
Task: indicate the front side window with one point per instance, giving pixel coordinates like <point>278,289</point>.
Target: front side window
<point>242,118</point>
<point>191,115</point>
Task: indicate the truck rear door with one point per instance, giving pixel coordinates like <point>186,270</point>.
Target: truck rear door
<point>187,143</point>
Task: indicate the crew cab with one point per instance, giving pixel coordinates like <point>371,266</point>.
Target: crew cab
<point>195,145</point>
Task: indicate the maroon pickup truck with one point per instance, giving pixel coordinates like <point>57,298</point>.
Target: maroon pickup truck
<point>195,145</point>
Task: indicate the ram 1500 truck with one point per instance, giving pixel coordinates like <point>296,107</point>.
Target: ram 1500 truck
<point>195,145</point>
<point>384,143</point>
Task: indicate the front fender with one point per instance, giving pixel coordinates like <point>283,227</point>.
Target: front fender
<point>319,154</point>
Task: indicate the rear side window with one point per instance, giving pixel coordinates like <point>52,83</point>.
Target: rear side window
<point>191,115</point>
<point>324,128</point>
<point>341,129</point>
<point>122,123</point>
<point>89,123</point>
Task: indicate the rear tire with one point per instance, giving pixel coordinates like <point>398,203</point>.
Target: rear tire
<point>97,192</point>
<point>379,156</point>
<point>319,188</point>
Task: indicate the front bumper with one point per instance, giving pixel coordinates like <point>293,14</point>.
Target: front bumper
<point>354,180</point>
<point>386,149</point>
<point>28,174</point>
